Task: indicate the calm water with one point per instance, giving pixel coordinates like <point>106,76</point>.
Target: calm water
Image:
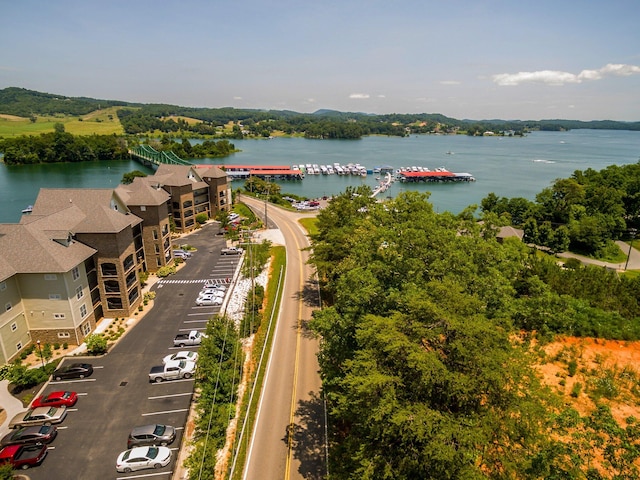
<point>509,167</point>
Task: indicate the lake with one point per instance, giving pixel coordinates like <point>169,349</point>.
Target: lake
<point>507,166</point>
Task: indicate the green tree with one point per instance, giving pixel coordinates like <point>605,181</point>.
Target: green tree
<point>128,177</point>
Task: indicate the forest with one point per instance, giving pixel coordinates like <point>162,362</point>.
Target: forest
<point>430,331</point>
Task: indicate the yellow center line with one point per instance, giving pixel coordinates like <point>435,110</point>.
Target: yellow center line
<point>291,427</point>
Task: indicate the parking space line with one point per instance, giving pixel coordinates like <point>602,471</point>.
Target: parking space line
<point>165,412</point>
<point>147,475</point>
<point>72,409</point>
<point>191,329</point>
<point>72,381</point>
<point>158,397</point>
<point>176,381</point>
<point>61,428</point>
<point>196,321</point>
<point>84,394</point>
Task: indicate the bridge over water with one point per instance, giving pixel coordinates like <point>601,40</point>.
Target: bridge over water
<point>150,155</point>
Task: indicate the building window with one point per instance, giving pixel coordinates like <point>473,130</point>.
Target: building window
<point>58,316</point>
<point>79,292</point>
<point>54,296</point>
<point>158,262</point>
<point>109,269</point>
<point>50,276</point>
<point>3,286</point>
<point>14,326</point>
<point>83,311</point>
<point>156,248</point>
<point>114,303</point>
<point>7,306</point>
<point>75,273</point>
<point>64,335</point>
<point>86,328</point>
<point>143,208</point>
<point>155,234</point>
<point>19,346</point>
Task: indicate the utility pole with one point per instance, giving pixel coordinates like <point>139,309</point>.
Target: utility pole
<point>633,235</point>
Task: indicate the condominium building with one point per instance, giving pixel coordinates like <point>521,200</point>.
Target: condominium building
<point>77,257</point>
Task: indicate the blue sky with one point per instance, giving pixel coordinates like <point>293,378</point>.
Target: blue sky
<point>477,59</point>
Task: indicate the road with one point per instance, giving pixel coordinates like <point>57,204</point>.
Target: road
<point>288,441</point>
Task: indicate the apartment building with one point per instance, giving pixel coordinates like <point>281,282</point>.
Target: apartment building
<point>76,258</point>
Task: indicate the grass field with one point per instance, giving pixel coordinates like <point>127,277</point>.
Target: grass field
<point>99,122</point>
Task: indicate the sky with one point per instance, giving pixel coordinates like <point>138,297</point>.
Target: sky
<point>480,59</point>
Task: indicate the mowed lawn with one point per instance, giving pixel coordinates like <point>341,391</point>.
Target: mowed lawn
<point>99,122</point>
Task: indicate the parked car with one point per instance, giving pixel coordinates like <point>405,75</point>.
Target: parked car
<point>154,434</point>
<point>231,251</point>
<point>23,456</point>
<point>212,284</point>
<point>216,292</point>
<point>30,435</point>
<point>184,355</point>
<point>140,458</point>
<point>208,300</point>
<point>172,371</point>
<point>181,254</point>
<point>194,337</point>
<point>74,370</point>
<point>233,216</point>
<point>39,416</point>
<point>56,399</point>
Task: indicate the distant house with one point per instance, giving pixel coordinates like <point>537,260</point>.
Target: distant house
<point>509,232</point>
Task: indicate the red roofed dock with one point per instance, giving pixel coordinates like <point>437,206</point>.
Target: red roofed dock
<point>439,175</point>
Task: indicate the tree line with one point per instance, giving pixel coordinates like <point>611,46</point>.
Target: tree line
<point>585,212</point>
<point>425,354</point>
<point>60,146</point>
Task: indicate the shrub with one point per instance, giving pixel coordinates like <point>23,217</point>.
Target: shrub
<point>6,471</point>
<point>577,388</point>
<point>166,271</point>
<point>573,367</point>
<point>96,344</point>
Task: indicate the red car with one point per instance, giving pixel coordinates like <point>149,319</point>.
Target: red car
<point>56,399</point>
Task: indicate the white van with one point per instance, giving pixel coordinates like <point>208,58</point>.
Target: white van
<point>183,254</point>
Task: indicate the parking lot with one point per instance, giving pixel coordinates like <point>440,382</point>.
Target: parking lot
<point>118,396</point>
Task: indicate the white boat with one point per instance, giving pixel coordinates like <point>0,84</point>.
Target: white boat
<point>339,170</point>
<point>324,170</point>
<point>330,170</point>
<point>29,209</point>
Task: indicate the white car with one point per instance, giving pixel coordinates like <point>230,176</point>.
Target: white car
<point>216,292</point>
<point>212,284</point>
<point>209,300</point>
<point>185,355</point>
<point>140,458</point>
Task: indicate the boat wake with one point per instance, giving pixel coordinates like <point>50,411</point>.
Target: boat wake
<point>540,160</point>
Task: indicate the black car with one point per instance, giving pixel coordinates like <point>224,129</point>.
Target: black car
<point>30,435</point>
<point>153,434</point>
<point>74,370</point>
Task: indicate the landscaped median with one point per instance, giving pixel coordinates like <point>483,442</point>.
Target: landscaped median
<point>230,375</point>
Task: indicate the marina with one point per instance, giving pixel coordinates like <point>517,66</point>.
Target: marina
<point>508,167</point>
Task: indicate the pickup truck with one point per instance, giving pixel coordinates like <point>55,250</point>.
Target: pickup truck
<point>194,337</point>
<point>172,370</point>
<point>23,456</point>
<point>231,251</point>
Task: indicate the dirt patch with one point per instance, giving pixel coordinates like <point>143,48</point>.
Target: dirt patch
<point>606,371</point>
<point>11,118</point>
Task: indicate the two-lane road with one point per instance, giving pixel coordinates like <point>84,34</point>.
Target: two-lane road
<point>288,441</point>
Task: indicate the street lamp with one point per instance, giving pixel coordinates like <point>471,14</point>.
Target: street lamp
<point>633,235</point>
<point>40,350</point>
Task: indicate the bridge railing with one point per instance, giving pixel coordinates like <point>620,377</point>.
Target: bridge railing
<point>147,152</point>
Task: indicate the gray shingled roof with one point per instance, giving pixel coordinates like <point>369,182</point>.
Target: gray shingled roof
<point>94,203</point>
<point>178,176</point>
<point>35,250</point>
<point>211,172</point>
<point>143,191</point>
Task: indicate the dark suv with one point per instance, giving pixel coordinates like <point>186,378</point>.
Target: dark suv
<point>154,434</point>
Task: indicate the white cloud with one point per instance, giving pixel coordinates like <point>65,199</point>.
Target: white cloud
<point>382,96</point>
<point>237,98</point>
<point>359,95</point>
<point>555,77</point>
<point>450,82</point>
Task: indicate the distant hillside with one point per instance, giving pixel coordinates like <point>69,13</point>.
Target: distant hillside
<point>320,124</point>
<point>24,103</point>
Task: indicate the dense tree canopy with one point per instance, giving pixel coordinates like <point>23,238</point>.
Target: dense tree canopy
<point>421,370</point>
